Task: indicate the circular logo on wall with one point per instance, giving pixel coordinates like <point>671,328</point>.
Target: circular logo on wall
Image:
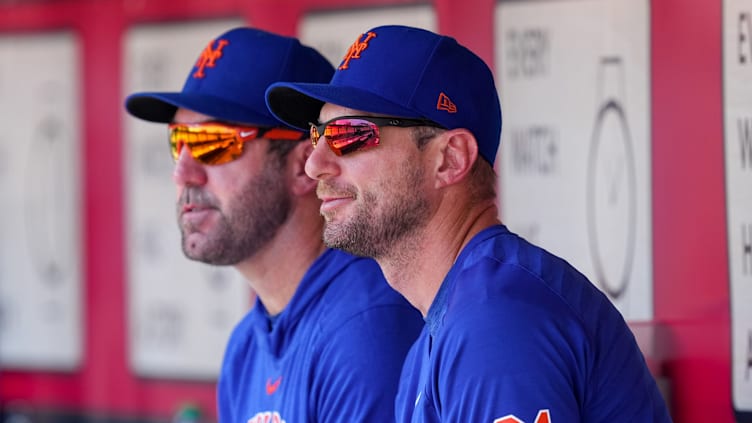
<point>611,191</point>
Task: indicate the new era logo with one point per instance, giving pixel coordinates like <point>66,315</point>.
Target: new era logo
<point>445,104</point>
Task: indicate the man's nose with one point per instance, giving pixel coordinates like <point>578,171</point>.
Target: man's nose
<point>188,171</point>
<point>322,162</point>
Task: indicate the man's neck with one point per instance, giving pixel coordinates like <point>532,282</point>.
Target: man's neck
<point>419,264</point>
<point>275,272</point>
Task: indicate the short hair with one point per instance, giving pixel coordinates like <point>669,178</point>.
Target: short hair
<point>483,181</point>
<point>423,134</point>
<point>482,175</point>
<point>279,150</point>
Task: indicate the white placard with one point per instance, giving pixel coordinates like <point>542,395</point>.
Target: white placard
<point>41,304</point>
<point>332,32</point>
<point>573,77</point>
<point>737,111</point>
<point>181,312</point>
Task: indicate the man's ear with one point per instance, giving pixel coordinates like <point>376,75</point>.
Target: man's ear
<point>300,183</point>
<point>458,150</point>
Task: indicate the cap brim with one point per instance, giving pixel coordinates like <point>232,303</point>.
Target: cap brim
<point>161,107</point>
<point>298,104</point>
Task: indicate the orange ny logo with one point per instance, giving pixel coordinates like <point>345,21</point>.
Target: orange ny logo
<point>355,49</point>
<point>209,57</point>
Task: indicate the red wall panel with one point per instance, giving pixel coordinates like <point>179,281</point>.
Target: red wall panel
<point>689,218</point>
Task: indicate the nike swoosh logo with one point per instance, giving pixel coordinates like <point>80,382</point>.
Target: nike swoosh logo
<point>244,134</point>
<point>271,388</point>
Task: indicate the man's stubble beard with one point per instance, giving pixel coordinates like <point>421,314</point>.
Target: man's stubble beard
<point>381,221</point>
<point>251,220</point>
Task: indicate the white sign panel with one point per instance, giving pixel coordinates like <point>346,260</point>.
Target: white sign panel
<point>737,107</point>
<point>573,77</point>
<point>41,305</point>
<point>332,32</point>
<point>181,312</point>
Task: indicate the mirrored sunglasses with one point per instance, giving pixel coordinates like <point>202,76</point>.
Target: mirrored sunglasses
<point>347,134</point>
<point>215,143</point>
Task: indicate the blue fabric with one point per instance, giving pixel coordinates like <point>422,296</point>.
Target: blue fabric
<point>403,72</point>
<point>516,331</point>
<point>334,354</point>
<point>230,77</point>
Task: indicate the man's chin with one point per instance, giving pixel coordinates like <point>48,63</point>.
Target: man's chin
<point>332,236</point>
<point>328,216</point>
<point>194,245</point>
<point>193,253</point>
<point>337,236</point>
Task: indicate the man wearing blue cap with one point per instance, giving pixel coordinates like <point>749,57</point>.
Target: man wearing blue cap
<point>405,136</point>
<point>327,337</point>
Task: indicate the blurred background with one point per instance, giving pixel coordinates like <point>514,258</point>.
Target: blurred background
<point>626,149</point>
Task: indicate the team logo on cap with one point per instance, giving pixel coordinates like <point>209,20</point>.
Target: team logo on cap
<point>355,49</point>
<point>445,104</point>
<point>209,57</point>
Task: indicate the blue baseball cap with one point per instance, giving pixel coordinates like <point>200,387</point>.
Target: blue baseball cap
<point>230,77</point>
<point>403,72</point>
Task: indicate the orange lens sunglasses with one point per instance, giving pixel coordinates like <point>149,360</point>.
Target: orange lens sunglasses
<point>215,143</point>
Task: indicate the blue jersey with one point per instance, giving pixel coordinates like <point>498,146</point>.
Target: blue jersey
<point>516,334</point>
<point>334,354</point>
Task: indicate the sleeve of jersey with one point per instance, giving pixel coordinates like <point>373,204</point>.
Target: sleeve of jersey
<point>358,383</point>
<point>516,353</point>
